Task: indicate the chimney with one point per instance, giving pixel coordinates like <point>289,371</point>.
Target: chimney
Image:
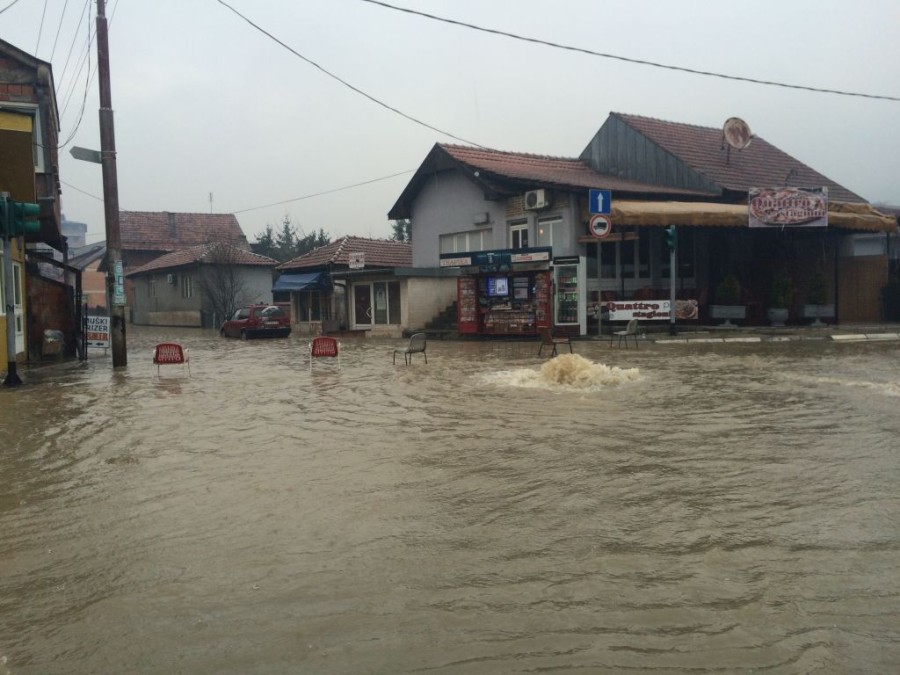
<point>171,223</point>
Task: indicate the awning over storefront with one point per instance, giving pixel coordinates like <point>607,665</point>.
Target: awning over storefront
<point>859,217</point>
<point>313,281</point>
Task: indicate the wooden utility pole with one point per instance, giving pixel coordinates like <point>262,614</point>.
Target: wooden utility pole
<point>115,272</point>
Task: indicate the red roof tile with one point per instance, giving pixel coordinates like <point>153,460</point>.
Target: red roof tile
<point>205,254</point>
<point>760,164</point>
<point>167,231</point>
<point>378,253</point>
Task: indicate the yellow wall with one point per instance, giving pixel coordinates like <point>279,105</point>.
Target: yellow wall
<point>18,257</point>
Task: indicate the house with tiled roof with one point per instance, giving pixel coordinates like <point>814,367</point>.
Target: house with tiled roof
<point>358,284</point>
<point>556,242</point>
<point>200,285</point>
<point>147,235</point>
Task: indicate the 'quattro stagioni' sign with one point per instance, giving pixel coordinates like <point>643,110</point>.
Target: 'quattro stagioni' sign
<point>782,207</point>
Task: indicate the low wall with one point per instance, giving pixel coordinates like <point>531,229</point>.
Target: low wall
<point>188,318</point>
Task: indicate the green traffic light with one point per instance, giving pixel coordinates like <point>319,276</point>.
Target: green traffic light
<point>25,220</point>
<point>670,237</point>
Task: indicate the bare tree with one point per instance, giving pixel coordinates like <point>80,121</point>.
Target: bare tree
<point>221,282</point>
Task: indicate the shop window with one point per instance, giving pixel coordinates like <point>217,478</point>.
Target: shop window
<point>608,253</point>
<point>309,306</point>
<point>518,234</point>
<point>592,263</point>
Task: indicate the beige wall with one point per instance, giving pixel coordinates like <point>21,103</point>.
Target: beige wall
<point>424,299</point>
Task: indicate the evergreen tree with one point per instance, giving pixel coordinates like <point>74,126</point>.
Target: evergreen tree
<point>286,241</point>
<point>402,230</point>
<point>265,242</point>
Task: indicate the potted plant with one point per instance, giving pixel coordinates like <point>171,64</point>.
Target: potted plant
<point>727,302</point>
<point>782,295</point>
<point>816,306</point>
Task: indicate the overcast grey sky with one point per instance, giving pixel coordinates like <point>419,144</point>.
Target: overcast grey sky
<point>204,103</point>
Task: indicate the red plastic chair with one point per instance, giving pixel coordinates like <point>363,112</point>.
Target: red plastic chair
<point>170,353</point>
<point>324,346</point>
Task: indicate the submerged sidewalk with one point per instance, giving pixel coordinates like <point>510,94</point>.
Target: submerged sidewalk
<point>721,334</point>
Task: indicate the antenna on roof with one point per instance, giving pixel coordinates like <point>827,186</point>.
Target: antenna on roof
<point>737,133</point>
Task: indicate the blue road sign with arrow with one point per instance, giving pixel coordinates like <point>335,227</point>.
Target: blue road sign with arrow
<point>600,201</point>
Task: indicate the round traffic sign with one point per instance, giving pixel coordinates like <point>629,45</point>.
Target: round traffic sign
<point>600,226</point>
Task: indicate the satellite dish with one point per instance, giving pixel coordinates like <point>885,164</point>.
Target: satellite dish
<point>737,133</point>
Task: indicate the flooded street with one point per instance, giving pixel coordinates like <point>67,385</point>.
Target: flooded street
<point>723,508</point>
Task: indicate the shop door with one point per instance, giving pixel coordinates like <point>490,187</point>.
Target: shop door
<point>379,289</point>
<point>362,305</point>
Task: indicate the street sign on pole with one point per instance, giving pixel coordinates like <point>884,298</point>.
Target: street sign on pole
<point>86,155</point>
<point>600,201</point>
<point>600,226</point>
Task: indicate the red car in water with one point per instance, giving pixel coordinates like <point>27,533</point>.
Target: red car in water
<point>255,321</point>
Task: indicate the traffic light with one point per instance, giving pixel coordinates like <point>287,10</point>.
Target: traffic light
<point>18,218</point>
<point>670,237</point>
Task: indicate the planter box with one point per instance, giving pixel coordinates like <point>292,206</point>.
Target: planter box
<point>778,315</point>
<point>817,312</point>
<point>728,312</point>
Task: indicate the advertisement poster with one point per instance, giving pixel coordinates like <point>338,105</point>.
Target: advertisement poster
<point>98,331</point>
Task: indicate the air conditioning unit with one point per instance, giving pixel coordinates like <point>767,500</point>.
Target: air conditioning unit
<point>481,219</point>
<point>170,278</point>
<point>537,199</point>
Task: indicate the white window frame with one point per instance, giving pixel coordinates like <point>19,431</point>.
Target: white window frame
<point>464,242</point>
<point>187,286</point>
<point>554,226</point>
<point>516,230</point>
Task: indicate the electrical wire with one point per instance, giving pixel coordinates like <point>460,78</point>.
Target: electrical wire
<point>87,84</point>
<point>626,59</point>
<point>61,20</point>
<point>324,192</point>
<point>41,28</point>
<point>344,82</point>
<point>8,6</point>
<point>99,199</point>
<point>62,75</point>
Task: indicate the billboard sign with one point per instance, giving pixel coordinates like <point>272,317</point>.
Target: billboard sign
<point>788,207</point>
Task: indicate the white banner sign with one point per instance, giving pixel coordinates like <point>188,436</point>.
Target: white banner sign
<point>98,331</point>
<point>650,310</point>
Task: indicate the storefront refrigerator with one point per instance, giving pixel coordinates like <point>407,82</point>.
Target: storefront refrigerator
<point>566,300</point>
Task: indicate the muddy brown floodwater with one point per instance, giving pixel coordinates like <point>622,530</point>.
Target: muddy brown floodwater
<point>676,508</point>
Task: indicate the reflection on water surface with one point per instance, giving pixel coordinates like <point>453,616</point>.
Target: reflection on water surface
<point>713,509</point>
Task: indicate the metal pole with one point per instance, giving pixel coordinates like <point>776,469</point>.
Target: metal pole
<point>673,258</point>
<point>110,195</point>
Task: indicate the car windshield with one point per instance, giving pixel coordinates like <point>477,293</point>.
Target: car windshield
<point>273,312</point>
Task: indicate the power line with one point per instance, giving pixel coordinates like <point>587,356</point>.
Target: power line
<point>62,18</point>
<point>41,28</point>
<point>8,6</point>
<point>627,59</point>
<point>325,192</point>
<point>344,82</point>
<point>99,199</point>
